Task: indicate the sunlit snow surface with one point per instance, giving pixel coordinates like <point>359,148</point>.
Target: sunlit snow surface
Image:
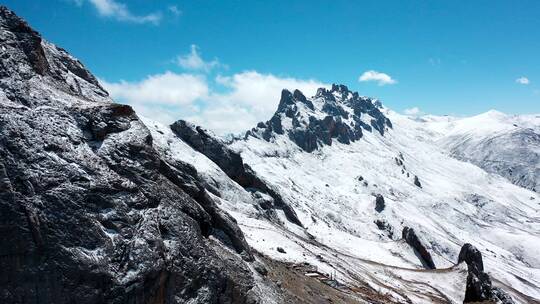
<point>458,203</point>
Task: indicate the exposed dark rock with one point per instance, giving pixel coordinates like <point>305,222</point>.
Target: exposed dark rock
<point>379,203</point>
<point>260,268</point>
<point>500,296</point>
<point>89,212</point>
<point>472,256</point>
<point>281,250</point>
<point>300,97</point>
<point>479,286</point>
<point>478,282</point>
<point>28,40</point>
<point>28,63</point>
<point>230,162</point>
<point>383,225</point>
<point>413,240</point>
<point>417,182</point>
<point>309,131</point>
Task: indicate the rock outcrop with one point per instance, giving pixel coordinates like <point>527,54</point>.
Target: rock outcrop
<point>89,213</point>
<point>417,182</point>
<point>413,240</point>
<point>232,164</point>
<point>479,286</point>
<point>379,203</point>
<point>335,114</point>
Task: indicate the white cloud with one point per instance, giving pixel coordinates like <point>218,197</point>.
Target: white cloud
<point>236,105</point>
<point>261,92</point>
<point>194,61</point>
<point>120,11</point>
<point>249,97</point>
<point>523,80</point>
<point>163,89</point>
<point>413,111</point>
<point>380,78</point>
<point>225,119</point>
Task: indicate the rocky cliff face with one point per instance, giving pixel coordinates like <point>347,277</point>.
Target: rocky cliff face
<point>89,212</point>
<point>335,114</point>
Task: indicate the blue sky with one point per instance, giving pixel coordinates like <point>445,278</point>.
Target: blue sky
<point>222,63</point>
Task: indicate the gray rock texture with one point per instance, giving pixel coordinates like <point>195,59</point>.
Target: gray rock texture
<point>479,286</point>
<point>89,213</point>
<point>345,115</point>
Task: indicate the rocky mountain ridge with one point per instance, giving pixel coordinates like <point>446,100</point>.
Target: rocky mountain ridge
<point>331,114</point>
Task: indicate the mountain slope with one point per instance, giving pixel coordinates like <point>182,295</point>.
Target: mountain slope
<point>333,189</point>
<point>333,181</point>
<point>498,143</point>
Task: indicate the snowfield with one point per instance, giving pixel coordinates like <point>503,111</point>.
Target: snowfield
<point>333,193</point>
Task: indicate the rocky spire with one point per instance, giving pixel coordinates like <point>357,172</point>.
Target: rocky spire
<point>311,127</point>
<point>479,286</point>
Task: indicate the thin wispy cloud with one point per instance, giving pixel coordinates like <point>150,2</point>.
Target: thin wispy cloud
<point>523,80</point>
<point>174,10</point>
<point>194,61</point>
<point>380,78</point>
<point>120,11</point>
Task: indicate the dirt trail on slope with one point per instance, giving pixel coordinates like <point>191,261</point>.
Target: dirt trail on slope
<point>299,288</point>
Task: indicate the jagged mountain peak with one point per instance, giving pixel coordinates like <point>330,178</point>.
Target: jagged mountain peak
<point>335,113</point>
<point>32,68</point>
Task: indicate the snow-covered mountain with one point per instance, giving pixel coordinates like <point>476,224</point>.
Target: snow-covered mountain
<point>334,199</point>
<point>358,177</point>
<point>508,145</point>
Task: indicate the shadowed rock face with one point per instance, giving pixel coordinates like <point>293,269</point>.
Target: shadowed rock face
<point>335,114</point>
<point>412,239</point>
<point>89,213</point>
<point>478,282</point>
